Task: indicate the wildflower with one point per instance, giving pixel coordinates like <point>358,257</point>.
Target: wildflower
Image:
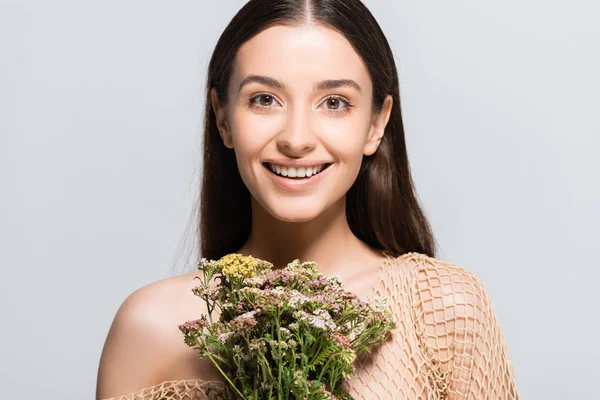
<point>341,340</point>
<point>307,269</point>
<point>237,351</point>
<point>285,330</point>
<point>275,344</point>
<point>207,265</point>
<point>256,281</point>
<point>250,293</point>
<point>195,325</point>
<point>358,329</point>
<point>212,293</point>
<point>238,265</point>
<point>326,318</point>
<point>297,299</point>
<point>227,306</point>
<point>219,327</point>
<point>243,322</point>
<point>378,304</point>
<point>192,330</point>
<point>257,345</point>
<point>279,291</point>
<point>293,326</point>
<point>334,281</point>
<point>281,277</point>
<point>319,319</point>
<point>327,395</point>
<point>298,376</point>
<point>272,299</point>
<point>224,337</point>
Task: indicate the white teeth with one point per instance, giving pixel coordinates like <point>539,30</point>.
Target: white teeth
<point>293,172</point>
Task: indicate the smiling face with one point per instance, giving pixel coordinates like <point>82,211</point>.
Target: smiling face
<point>299,94</point>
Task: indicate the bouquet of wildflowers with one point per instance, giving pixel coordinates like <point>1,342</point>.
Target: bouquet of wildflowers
<point>286,333</point>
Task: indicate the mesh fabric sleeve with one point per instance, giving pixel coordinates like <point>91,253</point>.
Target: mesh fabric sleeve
<point>192,389</point>
<point>460,330</point>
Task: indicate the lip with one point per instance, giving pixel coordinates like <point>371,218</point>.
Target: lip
<point>286,162</point>
<point>297,185</point>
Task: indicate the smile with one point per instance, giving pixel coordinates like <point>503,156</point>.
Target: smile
<point>288,179</point>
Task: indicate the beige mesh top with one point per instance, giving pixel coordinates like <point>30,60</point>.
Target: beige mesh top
<point>448,343</point>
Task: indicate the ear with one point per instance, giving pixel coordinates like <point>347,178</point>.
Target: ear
<point>378,124</point>
<point>221,116</point>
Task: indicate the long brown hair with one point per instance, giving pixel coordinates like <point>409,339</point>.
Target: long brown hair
<point>382,208</point>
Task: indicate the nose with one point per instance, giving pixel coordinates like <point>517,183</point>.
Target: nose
<point>297,139</point>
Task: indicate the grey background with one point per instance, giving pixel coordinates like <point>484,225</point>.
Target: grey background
<point>100,126</point>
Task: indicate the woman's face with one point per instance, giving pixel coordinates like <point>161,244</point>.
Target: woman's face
<point>299,94</point>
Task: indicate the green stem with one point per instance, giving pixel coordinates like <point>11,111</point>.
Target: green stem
<point>331,357</point>
<point>279,395</point>
<point>222,373</point>
<point>316,353</point>
<point>205,298</point>
<point>302,350</point>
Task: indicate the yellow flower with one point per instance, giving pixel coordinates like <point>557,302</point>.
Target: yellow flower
<point>238,265</point>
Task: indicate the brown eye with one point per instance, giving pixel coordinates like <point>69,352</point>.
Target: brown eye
<point>336,104</point>
<point>267,100</point>
<point>333,103</point>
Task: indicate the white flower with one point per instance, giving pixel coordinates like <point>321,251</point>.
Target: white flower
<point>249,314</point>
<point>297,298</point>
<point>293,326</point>
<point>224,337</point>
<point>354,333</point>
<point>251,290</point>
<point>255,281</point>
<point>319,319</point>
<point>378,304</point>
<point>278,291</point>
<point>335,281</point>
<point>327,320</point>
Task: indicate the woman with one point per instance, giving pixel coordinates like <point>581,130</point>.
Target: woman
<point>305,157</point>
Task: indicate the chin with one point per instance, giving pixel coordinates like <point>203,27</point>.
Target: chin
<point>291,211</point>
<point>295,215</point>
<point>295,218</point>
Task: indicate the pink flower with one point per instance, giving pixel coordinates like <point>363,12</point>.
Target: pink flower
<point>196,325</point>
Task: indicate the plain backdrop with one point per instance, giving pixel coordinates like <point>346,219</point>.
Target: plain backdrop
<point>100,131</point>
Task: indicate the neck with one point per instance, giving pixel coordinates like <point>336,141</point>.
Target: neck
<point>326,240</point>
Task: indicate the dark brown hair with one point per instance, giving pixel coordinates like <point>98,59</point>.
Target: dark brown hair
<point>382,206</point>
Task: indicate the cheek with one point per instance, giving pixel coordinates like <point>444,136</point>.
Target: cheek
<point>251,132</point>
<point>346,139</point>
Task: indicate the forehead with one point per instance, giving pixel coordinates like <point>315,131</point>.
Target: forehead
<point>300,56</point>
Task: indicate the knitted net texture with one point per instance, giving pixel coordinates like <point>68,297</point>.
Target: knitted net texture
<point>448,343</point>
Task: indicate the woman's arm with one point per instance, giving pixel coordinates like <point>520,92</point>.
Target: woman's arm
<point>462,329</point>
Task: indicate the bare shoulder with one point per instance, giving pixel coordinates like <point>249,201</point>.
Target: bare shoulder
<point>144,346</point>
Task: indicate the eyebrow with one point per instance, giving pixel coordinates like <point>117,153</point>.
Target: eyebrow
<point>322,85</point>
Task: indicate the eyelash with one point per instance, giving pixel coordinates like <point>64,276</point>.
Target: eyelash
<point>342,111</point>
